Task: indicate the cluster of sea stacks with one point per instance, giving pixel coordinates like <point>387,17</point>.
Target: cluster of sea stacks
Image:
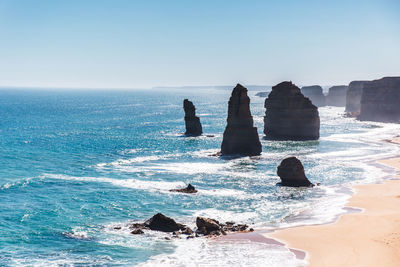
<point>292,114</point>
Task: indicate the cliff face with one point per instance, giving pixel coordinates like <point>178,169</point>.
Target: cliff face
<point>240,136</point>
<point>380,100</point>
<point>290,115</point>
<point>192,122</point>
<point>353,96</point>
<point>337,96</point>
<point>315,94</point>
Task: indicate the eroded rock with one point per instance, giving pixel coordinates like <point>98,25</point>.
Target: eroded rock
<point>240,136</point>
<point>290,115</point>
<point>337,96</point>
<point>190,189</point>
<point>315,94</point>
<point>192,122</point>
<point>291,172</point>
<point>380,100</point>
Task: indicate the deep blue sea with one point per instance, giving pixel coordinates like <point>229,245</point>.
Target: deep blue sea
<point>75,164</point>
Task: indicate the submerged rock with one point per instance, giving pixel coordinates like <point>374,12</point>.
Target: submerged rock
<point>240,136</point>
<point>291,172</point>
<point>289,115</point>
<point>192,122</point>
<point>380,100</point>
<point>188,190</point>
<point>262,94</point>
<point>337,96</point>
<point>353,97</point>
<point>315,94</point>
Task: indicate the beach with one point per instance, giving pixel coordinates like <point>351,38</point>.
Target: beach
<point>367,238</point>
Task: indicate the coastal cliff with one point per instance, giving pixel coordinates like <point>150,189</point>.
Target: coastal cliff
<point>240,136</point>
<point>337,96</point>
<point>289,115</point>
<point>353,96</point>
<point>192,122</point>
<point>380,100</point>
<point>315,94</point>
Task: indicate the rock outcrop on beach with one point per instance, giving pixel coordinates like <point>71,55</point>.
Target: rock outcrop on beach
<point>380,100</point>
<point>240,136</point>
<point>192,122</point>
<point>337,96</point>
<point>205,227</point>
<point>188,190</point>
<point>211,227</point>
<point>289,115</point>
<point>291,172</point>
<point>353,97</point>
<point>315,94</point>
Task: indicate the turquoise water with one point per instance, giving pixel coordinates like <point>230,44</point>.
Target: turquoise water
<point>74,164</point>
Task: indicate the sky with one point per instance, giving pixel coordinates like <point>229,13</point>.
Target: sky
<point>141,44</point>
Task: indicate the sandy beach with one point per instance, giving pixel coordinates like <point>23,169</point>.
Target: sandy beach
<point>368,238</point>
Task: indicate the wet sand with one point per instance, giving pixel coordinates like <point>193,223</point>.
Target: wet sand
<point>368,238</point>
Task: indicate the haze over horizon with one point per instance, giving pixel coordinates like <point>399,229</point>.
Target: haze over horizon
<point>134,44</point>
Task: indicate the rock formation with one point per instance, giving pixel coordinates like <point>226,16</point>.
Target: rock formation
<point>337,96</point>
<point>240,136</point>
<point>380,100</point>
<point>205,227</point>
<point>211,227</point>
<point>290,115</point>
<point>188,190</point>
<point>315,94</point>
<point>262,94</point>
<point>160,222</point>
<point>353,97</point>
<point>291,172</point>
<point>192,122</point>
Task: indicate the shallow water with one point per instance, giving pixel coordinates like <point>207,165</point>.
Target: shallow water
<point>76,164</point>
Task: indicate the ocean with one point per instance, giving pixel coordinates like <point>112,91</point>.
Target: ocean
<point>76,163</point>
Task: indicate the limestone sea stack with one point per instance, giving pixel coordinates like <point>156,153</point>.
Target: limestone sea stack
<point>380,100</point>
<point>353,97</point>
<point>289,115</point>
<point>192,122</point>
<point>240,136</point>
<point>337,96</point>
<point>315,94</point>
<point>291,172</point>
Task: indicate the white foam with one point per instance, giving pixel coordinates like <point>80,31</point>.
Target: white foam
<point>202,252</point>
<point>129,183</point>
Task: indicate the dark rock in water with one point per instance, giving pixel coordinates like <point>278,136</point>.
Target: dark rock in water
<point>192,122</point>
<point>240,136</point>
<point>211,227</point>
<point>353,96</point>
<point>315,94</point>
<point>262,94</point>
<point>206,225</point>
<point>137,232</point>
<point>189,190</point>
<point>289,115</point>
<point>291,172</point>
<point>337,96</point>
<point>160,222</point>
<point>380,100</point>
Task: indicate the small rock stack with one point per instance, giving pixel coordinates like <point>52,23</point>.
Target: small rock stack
<point>315,94</point>
<point>192,122</point>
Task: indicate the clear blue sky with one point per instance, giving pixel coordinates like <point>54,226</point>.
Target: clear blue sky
<point>117,43</point>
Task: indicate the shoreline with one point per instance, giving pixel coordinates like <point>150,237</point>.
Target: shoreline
<point>367,238</point>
